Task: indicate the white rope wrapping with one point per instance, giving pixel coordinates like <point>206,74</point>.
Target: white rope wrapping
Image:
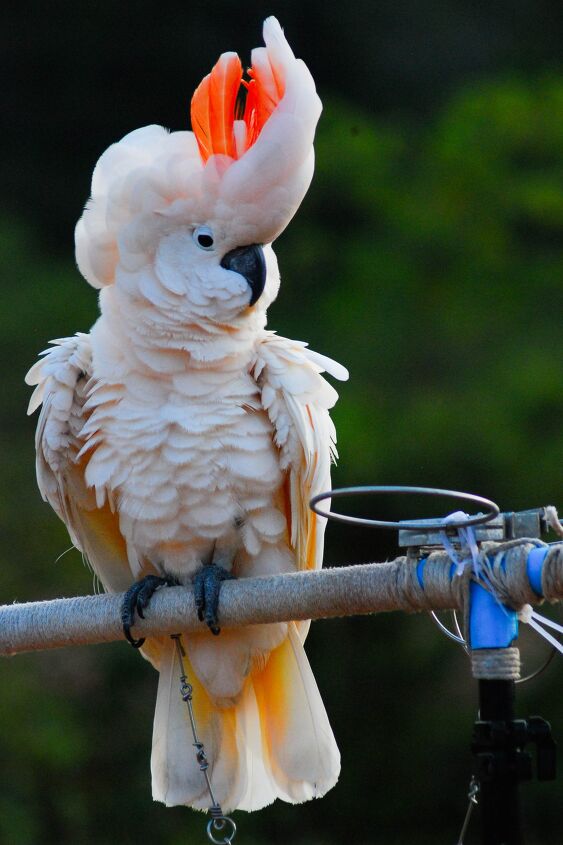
<point>342,591</point>
<point>496,663</point>
<point>301,595</point>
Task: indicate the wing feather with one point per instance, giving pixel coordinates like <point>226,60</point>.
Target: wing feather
<point>63,380</point>
<point>297,399</point>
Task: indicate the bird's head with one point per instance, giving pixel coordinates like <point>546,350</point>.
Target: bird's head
<point>185,220</point>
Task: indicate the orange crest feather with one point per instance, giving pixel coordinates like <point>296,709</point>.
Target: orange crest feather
<point>214,107</point>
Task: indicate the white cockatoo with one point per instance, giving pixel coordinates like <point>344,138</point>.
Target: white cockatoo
<point>181,440</point>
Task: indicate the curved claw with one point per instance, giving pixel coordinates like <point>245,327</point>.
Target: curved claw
<point>137,598</point>
<point>135,643</point>
<point>207,588</point>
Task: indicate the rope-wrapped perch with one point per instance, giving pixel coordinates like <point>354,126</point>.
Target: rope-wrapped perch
<point>342,591</point>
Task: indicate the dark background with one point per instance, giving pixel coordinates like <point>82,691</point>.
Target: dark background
<point>426,257</point>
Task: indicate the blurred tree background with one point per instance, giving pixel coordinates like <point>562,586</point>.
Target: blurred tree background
<point>427,257</point>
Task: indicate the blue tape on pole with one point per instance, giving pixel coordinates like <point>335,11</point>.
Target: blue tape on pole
<point>534,566</point>
<point>491,624</point>
<point>420,571</point>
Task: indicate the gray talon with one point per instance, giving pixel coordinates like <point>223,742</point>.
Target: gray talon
<point>137,598</point>
<point>207,588</point>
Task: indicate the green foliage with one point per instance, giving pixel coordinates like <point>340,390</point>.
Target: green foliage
<point>433,266</point>
<point>428,260</point>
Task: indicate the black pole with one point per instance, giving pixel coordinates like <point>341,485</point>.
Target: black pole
<point>497,763</point>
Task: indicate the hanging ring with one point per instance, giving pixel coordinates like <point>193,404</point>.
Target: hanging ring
<point>223,825</point>
<point>491,509</point>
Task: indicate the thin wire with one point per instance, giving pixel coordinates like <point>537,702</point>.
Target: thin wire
<point>458,626</point>
<point>218,821</point>
<point>457,638</point>
<point>542,668</point>
<point>473,801</point>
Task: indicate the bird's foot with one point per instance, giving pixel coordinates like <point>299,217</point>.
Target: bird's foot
<point>137,599</point>
<point>207,587</point>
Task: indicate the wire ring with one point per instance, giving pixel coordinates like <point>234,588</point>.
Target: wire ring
<point>491,509</point>
<point>218,824</point>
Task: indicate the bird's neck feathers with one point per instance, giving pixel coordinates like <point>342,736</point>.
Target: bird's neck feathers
<point>133,335</point>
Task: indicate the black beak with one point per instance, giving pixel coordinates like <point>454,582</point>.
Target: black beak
<point>250,262</point>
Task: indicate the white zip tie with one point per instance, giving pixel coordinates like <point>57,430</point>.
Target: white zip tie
<point>536,621</point>
<point>552,519</point>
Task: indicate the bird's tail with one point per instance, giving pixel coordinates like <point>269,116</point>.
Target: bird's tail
<point>274,742</point>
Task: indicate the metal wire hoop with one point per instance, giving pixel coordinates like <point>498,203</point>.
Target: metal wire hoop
<point>223,824</point>
<point>491,509</point>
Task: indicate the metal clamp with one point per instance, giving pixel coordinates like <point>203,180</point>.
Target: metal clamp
<point>511,525</point>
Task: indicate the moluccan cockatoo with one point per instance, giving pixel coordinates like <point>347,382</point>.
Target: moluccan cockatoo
<point>181,440</point>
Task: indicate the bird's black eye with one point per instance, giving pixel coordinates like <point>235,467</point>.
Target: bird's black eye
<point>203,236</point>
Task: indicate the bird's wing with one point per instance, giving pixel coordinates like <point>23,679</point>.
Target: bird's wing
<point>297,399</point>
<point>63,379</point>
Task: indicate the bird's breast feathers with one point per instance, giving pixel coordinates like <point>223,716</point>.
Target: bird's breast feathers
<point>189,462</point>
